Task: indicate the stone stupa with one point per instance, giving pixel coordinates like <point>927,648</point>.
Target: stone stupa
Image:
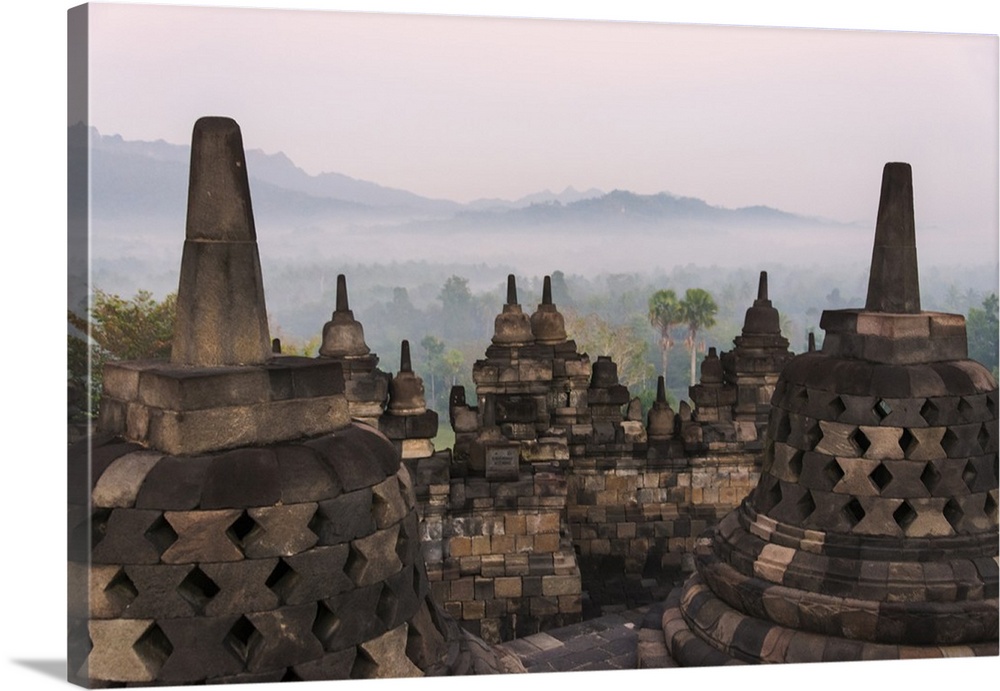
<point>872,533</point>
<point>231,523</point>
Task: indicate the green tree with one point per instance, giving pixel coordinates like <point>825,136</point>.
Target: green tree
<point>627,345</point>
<point>664,314</point>
<point>698,309</point>
<point>117,329</point>
<point>434,348</point>
<point>982,326</point>
<point>458,307</point>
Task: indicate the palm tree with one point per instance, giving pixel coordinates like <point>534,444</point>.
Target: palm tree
<point>664,314</point>
<point>698,310</point>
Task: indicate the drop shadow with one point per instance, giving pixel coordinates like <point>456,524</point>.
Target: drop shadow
<point>50,668</point>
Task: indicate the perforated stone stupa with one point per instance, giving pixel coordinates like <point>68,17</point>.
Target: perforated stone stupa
<point>232,524</point>
<point>872,533</point>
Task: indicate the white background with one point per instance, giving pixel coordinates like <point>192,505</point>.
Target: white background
<point>33,485</point>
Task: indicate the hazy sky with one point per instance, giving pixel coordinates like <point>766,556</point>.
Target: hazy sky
<point>463,108</point>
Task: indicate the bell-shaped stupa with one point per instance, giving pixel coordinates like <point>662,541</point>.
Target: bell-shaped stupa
<point>872,533</point>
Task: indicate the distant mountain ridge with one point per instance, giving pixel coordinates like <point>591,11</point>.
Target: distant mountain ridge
<point>142,177</point>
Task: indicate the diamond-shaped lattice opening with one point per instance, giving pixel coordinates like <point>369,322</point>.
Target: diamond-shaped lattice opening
<point>991,404</point>
<point>241,528</point>
<point>364,666</point>
<point>804,507</point>
<point>153,648</point>
<point>969,475</point>
<point>290,675</point>
<point>990,508</point>
<point>282,579</point>
<point>860,441</point>
<point>882,409</point>
<point>951,444</point>
<point>964,407</point>
<point>833,472</point>
<point>795,464</point>
<point>98,526</point>
<point>783,428</point>
<point>854,512</point>
<point>930,477</point>
<point>812,434</point>
<point>880,476</point>
<point>161,534</point>
<point>984,438</point>
<point>802,395</point>
<point>929,412</point>
<point>403,544</point>
<point>198,589</point>
<point>240,637</point>
<point>836,407</point>
<point>953,513</point>
<point>121,590</point>
<point>769,496</point>
<point>387,607</point>
<point>904,515</point>
<point>326,624</point>
<point>907,442</point>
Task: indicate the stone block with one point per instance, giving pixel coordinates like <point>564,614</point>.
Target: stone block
<point>388,504</point>
<point>126,650</point>
<point>242,478</point>
<point>561,585</point>
<point>417,448</point>
<point>344,518</point>
<point>281,530</point>
<point>231,587</point>
<point>345,619</point>
<point>174,483</point>
<point>313,575</point>
<point>205,536</point>
<point>331,666</point>
<point>164,591</point>
<point>373,558</point>
<point>118,486</point>
<point>205,647</point>
<point>303,476</point>
<point>124,537</point>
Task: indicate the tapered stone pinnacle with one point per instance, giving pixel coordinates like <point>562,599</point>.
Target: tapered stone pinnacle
<point>547,291</point>
<point>221,316</point>
<point>511,290</point>
<point>893,285</point>
<point>762,287</point>
<point>812,342</point>
<point>404,357</point>
<point>661,390</point>
<point>342,305</point>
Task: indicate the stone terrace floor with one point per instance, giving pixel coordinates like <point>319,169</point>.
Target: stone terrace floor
<point>608,642</point>
<point>622,613</point>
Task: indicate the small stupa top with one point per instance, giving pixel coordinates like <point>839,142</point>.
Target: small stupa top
<point>891,328</point>
<point>711,368</point>
<point>762,317</point>
<point>343,335</point>
<point>406,389</point>
<point>512,327</point>
<point>547,324</point>
<point>221,316</point>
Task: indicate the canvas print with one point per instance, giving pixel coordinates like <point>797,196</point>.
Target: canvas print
<point>409,346</point>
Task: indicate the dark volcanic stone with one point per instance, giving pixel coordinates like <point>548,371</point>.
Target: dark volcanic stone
<point>175,483</point>
<point>242,478</point>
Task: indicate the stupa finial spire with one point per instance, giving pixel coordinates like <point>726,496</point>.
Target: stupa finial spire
<point>762,286</point>
<point>892,284</point>
<point>221,317</point>
<point>511,290</point>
